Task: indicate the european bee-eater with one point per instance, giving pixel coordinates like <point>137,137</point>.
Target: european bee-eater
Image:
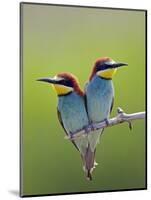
<point>100,93</point>
<point>72,113</point>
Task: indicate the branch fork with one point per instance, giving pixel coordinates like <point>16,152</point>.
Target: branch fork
<point>120,118</point>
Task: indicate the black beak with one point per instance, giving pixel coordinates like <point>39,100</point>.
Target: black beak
<point>116,65</point>
<point>49,80</point>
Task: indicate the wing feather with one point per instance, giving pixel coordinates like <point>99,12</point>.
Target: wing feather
<point>112,105</point>
<point>61,122</point>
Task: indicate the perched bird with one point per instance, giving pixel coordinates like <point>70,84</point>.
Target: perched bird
<point>99,93</point>
<point>72,112</point>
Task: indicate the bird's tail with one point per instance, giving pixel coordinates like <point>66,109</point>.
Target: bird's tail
<point>89,162</point>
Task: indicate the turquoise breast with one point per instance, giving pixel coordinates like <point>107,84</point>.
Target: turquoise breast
<point>99,94</point>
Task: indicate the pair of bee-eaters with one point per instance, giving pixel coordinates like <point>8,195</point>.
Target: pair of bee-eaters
<point>77,109</point>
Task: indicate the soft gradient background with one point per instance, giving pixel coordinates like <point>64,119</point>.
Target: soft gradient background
<point>57,39</point>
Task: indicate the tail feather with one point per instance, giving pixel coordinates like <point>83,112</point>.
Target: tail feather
<point>89,175</point>
<point>89,162</point>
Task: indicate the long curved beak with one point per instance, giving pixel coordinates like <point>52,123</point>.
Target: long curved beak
<point>49,80</point>
<point>116,65</point>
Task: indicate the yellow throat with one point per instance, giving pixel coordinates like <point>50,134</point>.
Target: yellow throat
<point>61,89</point>
<point>108,74</point>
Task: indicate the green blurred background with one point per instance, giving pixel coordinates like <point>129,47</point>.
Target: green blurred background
<point>58,39</point>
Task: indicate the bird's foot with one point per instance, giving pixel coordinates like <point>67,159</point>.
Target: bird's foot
<point>86,130</point>
<point>107,122</point>
<point>92,126</point>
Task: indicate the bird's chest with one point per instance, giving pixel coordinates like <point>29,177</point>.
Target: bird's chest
<point>99,99</point>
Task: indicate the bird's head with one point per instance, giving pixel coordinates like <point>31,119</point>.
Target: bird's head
<point>105,68</point>
<point>64,83</point>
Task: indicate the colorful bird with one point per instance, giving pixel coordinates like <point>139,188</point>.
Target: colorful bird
<point>72,113</point>
<point>100,95</point>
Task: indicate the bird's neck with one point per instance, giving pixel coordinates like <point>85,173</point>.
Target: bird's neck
<point>65,94</point>
<point>106,80</point>
<point>78,92</point>
<point>101,83</point>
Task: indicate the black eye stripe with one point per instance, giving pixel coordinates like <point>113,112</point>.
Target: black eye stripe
<point>67,83</point>
<point>103,66</point>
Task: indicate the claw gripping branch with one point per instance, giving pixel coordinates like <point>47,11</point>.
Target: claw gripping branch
<point>120,118</point>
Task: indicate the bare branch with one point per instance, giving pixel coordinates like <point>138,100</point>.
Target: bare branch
<point>120,118</point>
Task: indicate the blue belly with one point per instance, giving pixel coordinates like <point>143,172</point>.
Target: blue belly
<point>73,112</point>
<point>99,93</point>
